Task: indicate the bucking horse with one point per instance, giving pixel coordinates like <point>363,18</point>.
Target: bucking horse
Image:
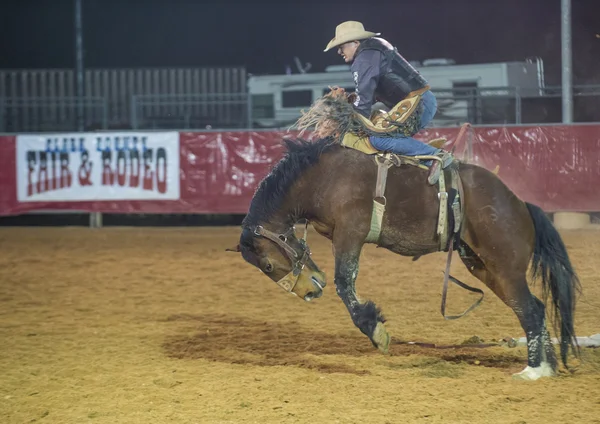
<point>352,196</point>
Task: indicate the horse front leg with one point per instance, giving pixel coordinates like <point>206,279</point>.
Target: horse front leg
<point>366,316</point>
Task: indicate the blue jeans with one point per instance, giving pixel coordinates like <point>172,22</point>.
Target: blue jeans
<point>410,146</point>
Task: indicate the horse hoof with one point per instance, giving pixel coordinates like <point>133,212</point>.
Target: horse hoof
<point>532,374</point>
<point>381,338</point>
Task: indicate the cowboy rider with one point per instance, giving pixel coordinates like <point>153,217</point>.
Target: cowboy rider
<point>381,73</point>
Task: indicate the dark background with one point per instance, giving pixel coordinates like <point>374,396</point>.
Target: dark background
<point>265,36</point>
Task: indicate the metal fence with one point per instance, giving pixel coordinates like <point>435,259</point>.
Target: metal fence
<point>512,105</point>
<point>189,111</point>
<point>217,98</point>
<point>53,89</point>
<point>35,114</point>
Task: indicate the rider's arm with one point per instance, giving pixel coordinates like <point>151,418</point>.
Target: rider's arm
<point>365,71</point>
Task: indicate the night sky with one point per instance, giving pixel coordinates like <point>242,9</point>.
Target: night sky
<point>265,36</point>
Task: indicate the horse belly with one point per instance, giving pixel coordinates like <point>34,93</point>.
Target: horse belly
<point>415,239</point>
<point>410,220</point>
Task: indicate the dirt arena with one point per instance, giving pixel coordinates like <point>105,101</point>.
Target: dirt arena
<point>155,325</point>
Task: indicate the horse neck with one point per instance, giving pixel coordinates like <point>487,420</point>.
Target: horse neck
<point>305,199</point>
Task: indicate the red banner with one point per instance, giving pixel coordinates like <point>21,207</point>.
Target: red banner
<point>8,173</point>
<point>555,167</point>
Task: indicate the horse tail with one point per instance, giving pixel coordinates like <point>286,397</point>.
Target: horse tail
<point>552,264</point>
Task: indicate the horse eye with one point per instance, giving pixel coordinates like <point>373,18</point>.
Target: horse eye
<point>268,267</point>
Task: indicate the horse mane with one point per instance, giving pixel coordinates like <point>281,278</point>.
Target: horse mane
<point>300,155</point>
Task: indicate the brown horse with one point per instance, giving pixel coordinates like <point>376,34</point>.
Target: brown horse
<point>332,187</point>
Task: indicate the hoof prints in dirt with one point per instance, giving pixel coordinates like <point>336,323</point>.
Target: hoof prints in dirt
<point>237,340</point>
<point>244,341</point>
<point>505,362</point>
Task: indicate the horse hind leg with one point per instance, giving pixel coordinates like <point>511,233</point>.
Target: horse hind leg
<point>510,285</point>
<point>539,347</point>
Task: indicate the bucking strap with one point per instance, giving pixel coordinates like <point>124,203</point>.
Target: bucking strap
<point>379,201</point>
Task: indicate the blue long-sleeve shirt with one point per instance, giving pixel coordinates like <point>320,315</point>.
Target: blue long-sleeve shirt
<point>365,70</point>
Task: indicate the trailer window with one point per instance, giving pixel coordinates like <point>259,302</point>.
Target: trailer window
<point>263,106</point>
<point>296,98</point>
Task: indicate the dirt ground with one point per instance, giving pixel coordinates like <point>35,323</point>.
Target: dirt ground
<point>155,325</point>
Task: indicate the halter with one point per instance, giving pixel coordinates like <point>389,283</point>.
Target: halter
<point>289,281</point>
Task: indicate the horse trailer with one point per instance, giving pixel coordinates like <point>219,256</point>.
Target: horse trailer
<point>477,93</point>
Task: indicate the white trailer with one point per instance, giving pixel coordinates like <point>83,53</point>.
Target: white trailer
<point>276,100</point>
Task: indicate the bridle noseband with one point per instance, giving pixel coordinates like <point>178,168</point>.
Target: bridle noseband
<point>289,281</point>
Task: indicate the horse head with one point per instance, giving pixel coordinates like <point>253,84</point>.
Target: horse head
<point>284,258</point>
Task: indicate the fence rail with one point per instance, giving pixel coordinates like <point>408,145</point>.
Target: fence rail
<point>35,114</point>
<point>187,111</point>
<point>514,105</point>
<point>233,110</point>
<point>116,86</point>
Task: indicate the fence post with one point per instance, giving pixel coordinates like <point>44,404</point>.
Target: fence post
<point>96,220</point>
<point>79,66</point>
<point>249,108</point>
<point>518,105</point>
<point>134,123</point>
<point>104,113</point>
<point>567,62</point>
<point>2,112</point>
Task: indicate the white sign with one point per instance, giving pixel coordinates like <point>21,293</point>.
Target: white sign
<point>98,166</point>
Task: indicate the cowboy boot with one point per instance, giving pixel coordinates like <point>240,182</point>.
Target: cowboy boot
<point>436,167</point>
<point>447,158</point>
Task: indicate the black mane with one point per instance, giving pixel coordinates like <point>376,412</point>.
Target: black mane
<point>270,194</point>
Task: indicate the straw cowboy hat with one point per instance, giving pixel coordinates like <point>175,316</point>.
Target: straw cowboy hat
<point>349,31</point>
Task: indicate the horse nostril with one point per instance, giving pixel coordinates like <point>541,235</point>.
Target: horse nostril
<point>318,283</point>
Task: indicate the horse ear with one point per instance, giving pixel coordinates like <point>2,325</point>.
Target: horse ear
<point>234,249</point>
